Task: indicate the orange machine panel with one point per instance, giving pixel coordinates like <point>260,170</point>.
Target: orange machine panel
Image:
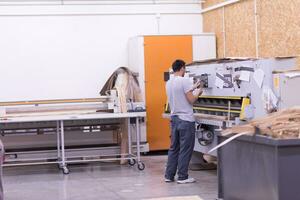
<point>160,52</point>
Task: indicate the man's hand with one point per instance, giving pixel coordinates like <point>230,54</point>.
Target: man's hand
<point>197,84</point>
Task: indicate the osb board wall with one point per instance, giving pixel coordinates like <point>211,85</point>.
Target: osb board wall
<point>278,28</point>
<point>240,29</point>
<point>211,3</point>
<point>212,23</point>
<point>279,24</point>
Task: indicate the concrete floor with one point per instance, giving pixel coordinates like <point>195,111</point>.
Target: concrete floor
<point>103,181</point>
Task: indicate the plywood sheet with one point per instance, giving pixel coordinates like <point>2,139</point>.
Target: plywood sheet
<point>279,22</point>
<point>278,28</point>
<point>212,22</point>
<point>211,3</point>
<point>240,29</point>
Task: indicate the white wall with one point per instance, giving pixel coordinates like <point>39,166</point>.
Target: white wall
<point>68,51</point>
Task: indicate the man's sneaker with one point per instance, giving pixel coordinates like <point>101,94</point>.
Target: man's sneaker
<point>188,180</point>
<point>168,180</point>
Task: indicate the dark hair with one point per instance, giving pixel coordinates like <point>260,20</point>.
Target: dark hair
<point>177,65</point>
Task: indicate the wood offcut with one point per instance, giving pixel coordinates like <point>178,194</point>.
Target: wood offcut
<point>284,124</point>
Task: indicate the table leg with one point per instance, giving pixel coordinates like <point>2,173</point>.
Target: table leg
<point>58,141</point>
<point>129,132</point>
<point>141,165</point>
<point>63,158</point>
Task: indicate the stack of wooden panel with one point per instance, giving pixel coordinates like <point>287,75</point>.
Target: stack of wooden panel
<point>284,124</point>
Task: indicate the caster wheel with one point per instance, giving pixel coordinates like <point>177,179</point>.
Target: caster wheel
<point>65,170</point>
<point>131,162</point>
<point>141,166</point>
<point>60,166</point>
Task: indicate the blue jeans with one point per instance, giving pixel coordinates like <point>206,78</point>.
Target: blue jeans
<point>182,146</point>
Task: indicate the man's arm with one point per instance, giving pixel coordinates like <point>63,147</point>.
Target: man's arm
<point>193,97</point>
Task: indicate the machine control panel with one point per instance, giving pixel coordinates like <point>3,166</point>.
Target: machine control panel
<point>203,78</point>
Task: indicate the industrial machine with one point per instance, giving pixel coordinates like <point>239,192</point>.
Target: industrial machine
<point>237,90</point>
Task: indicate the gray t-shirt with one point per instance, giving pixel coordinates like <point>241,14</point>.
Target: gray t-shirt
<point>176,88</point>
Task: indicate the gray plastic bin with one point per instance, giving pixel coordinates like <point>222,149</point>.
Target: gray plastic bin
<point>259,168</point>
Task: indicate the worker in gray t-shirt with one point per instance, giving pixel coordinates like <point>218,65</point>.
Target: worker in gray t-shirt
<point>181,95</point>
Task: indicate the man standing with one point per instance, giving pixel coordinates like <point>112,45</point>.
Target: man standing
<point>181,95</point>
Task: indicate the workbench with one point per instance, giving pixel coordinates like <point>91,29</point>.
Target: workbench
<point>60,159</point>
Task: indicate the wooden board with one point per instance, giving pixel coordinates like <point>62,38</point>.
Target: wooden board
<point>240,29</point>
<point>209,3</point>
<point>212,23</point>
<point>278,28</point>
<point>210,117</point>
<point>284,124</point>
<point>279,24</point>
